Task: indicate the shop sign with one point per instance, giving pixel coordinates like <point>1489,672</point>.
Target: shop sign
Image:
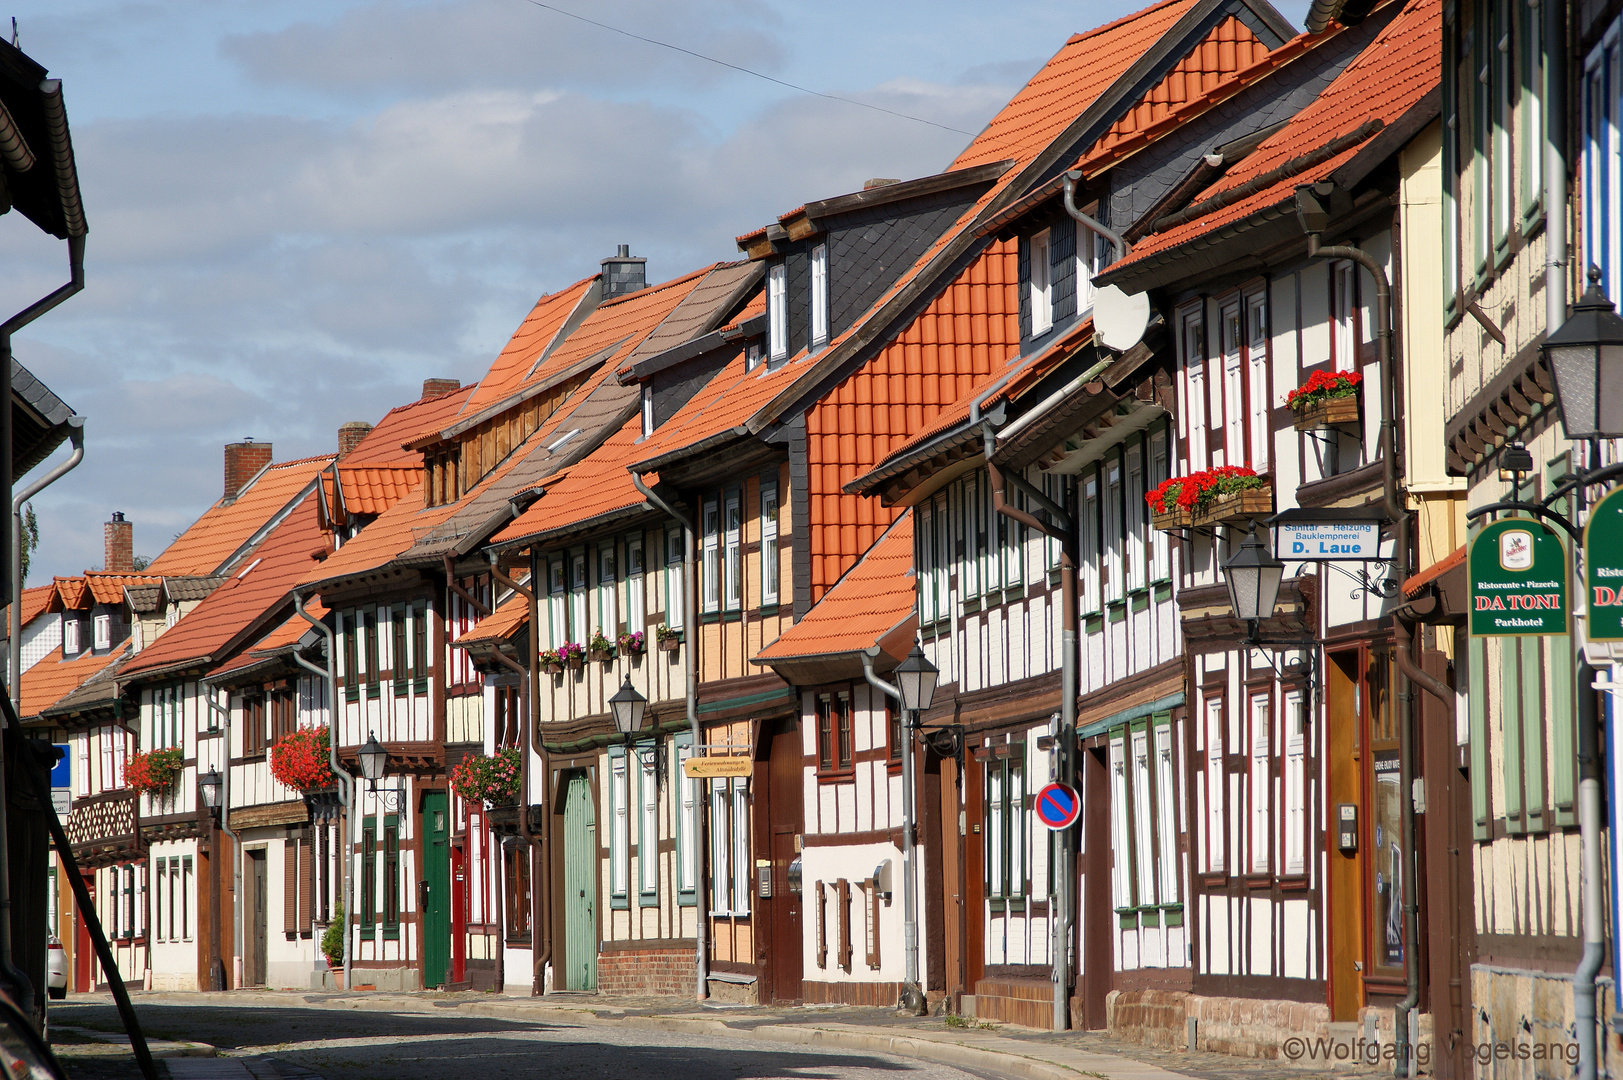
<point>1603,569</point>
<point>1518,580</point>
<point>713,768</point>
<point>1329,541</point>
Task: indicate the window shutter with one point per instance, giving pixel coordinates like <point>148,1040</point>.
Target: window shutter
<point>307,884</point>
<point>290,885</point>
<point>1477,670</point>
<point>843,898</point>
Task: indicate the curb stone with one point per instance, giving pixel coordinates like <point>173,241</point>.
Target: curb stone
<point>160,1048</point>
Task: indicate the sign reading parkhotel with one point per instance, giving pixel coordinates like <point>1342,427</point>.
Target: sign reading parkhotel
<point>1603,568</point>
<point>1518,573</point>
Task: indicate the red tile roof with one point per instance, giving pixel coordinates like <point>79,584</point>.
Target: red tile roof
<point>75,593</point>
<point>373,489</point>
<point>595,486</point>
<point>109,588</point>
<point>289,632</point>
<point>1413,585</point>
<point>36,602</point>
<point>53,678</point>
<point>508,619</point>
<point>202,548</point>
<point>1398,68</point>
<point>515,366</point>
<point>864,607</point>
<point>385,444</point>
<point>247,596</point>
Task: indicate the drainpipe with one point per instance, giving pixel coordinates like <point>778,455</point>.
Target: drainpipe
<point>76,435</point>
<point>690,624</point>
<point>540,892</point>
<point>346,784</point>
<point>1063,530</point>
<point>224,712</point>
<point>1313,214</point>
<point>1115,239</point>
<point>912,1002</point>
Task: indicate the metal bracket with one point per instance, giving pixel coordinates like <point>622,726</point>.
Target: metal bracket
<point>1386,588</point>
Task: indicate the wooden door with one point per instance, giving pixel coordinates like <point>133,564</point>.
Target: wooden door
<point>1344,915</point>
<point>434,895</point>
<point>1096,912</point>
<point>974,875</point>
<point>580,886</point>
<point>82,950</point>
<point>951,843</point>
<point>459,912</point>
<point>786,815</point>
<point>255,941</point>
<point>1449,895</point>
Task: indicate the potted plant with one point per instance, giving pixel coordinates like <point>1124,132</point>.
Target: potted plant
<point>1165,511</point>
<point>599,647</point>
<point>303,760</point>
<point>634,643</point>
<point>666,638</point>
<point>551,662</point>
<point>572,655</point>
<point>332,945</point>
<point>495,779</point>
<point>1326,399</point>
<point>153,773</point>
<point>1226,494</point>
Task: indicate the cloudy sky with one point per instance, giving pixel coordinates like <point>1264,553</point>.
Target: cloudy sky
<point>299,210</point>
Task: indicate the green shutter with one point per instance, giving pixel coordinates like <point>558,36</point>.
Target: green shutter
<point>1533,733</point>
<point>1563,745</point>
<point>1477,667</point>
<point>1510,731</point>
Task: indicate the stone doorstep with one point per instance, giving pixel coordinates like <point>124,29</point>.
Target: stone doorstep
<point>160,1048</point>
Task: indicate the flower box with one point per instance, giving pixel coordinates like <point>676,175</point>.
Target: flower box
<point>1328,413</point>
<point>669,644</point>
<point>600,654</point>
<point>552,667</point>
<point>577,661</point>
<point>1237,507</point>
<point>1173,519</point>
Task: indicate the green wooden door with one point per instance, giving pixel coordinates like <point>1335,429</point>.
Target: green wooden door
<point>434,895</point>
<point>580,887</point>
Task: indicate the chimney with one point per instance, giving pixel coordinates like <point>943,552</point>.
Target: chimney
<point>119,545</point>
<point>350,436</point>
<point>242,463</point>
<point>623,274</point>
<point>436,387</point>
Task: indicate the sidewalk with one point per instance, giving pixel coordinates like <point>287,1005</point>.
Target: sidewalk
<point>1000,1048</point>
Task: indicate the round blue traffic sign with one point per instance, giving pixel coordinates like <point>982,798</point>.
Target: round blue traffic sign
<point>1058,806</point>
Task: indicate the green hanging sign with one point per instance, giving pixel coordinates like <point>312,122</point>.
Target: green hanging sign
<point>1603,568</point>
<point>1518,578</point>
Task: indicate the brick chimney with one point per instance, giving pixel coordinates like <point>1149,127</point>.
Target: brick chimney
<point>623,274</point>
<point>350,436</point>
<point>118,545</point>
<point>242,463</point>
<point>436,387</point>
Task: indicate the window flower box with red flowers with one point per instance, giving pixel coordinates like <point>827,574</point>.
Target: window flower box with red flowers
<point>303,759</point>
<point>572,655</point>
<point>551,662</point>
<point>1165,511</point>
<point>495,779</point>
<point>599,647</point>
<point>153,773</point>
<point>1221,496</point>
<point>634,643</point>
<point>1327,398</point>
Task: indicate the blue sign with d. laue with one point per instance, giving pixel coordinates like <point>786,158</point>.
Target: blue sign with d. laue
<point>1329,541</point>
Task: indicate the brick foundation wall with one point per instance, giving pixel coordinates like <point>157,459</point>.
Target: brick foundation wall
<point>660,972</point>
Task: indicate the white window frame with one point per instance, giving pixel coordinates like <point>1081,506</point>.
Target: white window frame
<point>1260,396</point>
<point>1143,768</point>
<point>1232,331</point>
<point>687,849</point>
<point>557,603</point>
<point>675,587</point>
<point>819,295</point>
<point>733,563</point>
<point>619,826</point>
<point>1293,849</point>
<point>648,824</point>
<point>1090,260</point>
<point>578,574</point>
<point>608,590</point>
<point>710,516</point>
<point>1166,815</point>
<point>974,510</point>
<point>1111,507</point>
<point>70,638</point>
<point>647,409</point>
<point>1041,284</point>
<point>1216,783</point>
<point>777,308</point>
<point>1343,306</point>
<point>1090,592</point>
<point>1134,509</point>
<point>636,585</point>
<point>1260,707</point>
<point>1160,466</point>
<point>771,562</point>
<point>1192,417</point>
<point>1122,891</point>
<point>103,632</point>
<point>743,867</point>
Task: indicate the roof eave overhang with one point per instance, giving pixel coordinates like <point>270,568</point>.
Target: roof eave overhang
<point>575,529</point>
<point>815,669</point>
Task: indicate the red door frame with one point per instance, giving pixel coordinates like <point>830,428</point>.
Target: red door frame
<point>459,906</point>
<point>81,943</point>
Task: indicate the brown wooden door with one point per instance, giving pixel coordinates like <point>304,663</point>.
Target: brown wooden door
<point>1097,909</point>
<point>256,938</point>
<point>1448,898</point>
<point>974,874</point>
<point>785,816</point>
<point>950,844</point>
<point>1344,914</point>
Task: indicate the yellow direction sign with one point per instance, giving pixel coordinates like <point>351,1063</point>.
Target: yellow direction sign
<point>709,768</point>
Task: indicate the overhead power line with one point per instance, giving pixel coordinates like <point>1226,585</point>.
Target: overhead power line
<point>745,70</point>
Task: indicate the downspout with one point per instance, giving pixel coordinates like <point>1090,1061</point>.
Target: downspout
<point>1403,1053</point>
<point>540,891</point>
<point>690,625</point>
<point>76,434</point>
<point>912,1002</point>
<point>1063,530</point>
<point>346,783</point>
<point>224,712</point>
<point>1115,239</point>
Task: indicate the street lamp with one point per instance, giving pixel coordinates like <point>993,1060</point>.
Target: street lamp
<point>1253,576</point>
<point>1586,358</point>
<point>374,758</point>
<point>208,788</point>
<point>916,678</point>
<point>628,706</point>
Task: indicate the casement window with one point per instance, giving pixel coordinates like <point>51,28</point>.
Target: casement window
<point>1011,536</point>
<point>1192,417</point>
<point>113,743</point>
<point>103,632</point>
<point>1344,315</point>
<point>1232,390</point>
<point>254,741</point>
<point>70,637</point>
<point>1451,162</point>
<point>159,873</point>
<point>1091,524</point>
<point>647,409</point>
<point>297,885</point>
<point>1114,577</point>
<point>557,604</point>
<point>973,504</point>
<point>710,566</point>
<point>180,882</point>
<point>733,570</point>
<point>730,866</point>
<point>125,876</point>
<point>284,716</point>
<point>1166,810</point>
<point>1142,810</point>
<point>1160,470</point>
<point>1483,67</point>
<point>579,624</point>
<point>819,295</point>
<point>895,734</point>
<point>687,843</point>
<point>391,876</point>
<point>1261,782</point>
<point>835,753</point>
<point>648,824</point>
<point>1504,91</point>
<point>619,827</point>
<point>1215,781</point>
<point>1007,829</point>
<point>1041,286</point>
<point>369,874</point>
<point>420,658</point>
<point>777,310</point>
<point>369,643</point>
<point>1259,399</point>
<point>675,588</point>
<point>1092,256</point>
<point>399,648</point>
<point>924,561</point>
<point>516,883</point>
<point>1293,846</point>
<point>1144,822</point>
<point>771,568</point>
<point>1602,159</point>
<point>505,716</point>
<point>752,356</point>
<point>636,585</point>
<point>1136,513</point>
<point>349,655</point>
<point>81,774</point>
<point>608,591</point>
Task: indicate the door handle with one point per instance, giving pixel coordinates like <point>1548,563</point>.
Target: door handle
<point>422,894</point>
<point>583,894</point>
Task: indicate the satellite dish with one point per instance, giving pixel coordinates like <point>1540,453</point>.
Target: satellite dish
<point>1119,318</point>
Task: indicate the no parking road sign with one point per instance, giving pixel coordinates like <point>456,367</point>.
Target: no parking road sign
<point>1058,806</point>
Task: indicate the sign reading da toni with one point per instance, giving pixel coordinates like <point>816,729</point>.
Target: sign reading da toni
<point>1518,578</point>
<point>1603,568</point>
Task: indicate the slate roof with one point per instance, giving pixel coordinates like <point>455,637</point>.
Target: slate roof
<point>40,420</point>
<point>145,598</point>
<point>597,487</point>
<point>1393,75</point>
<point>181,588</point>
<point>204,548</point>
<point>53,678</point>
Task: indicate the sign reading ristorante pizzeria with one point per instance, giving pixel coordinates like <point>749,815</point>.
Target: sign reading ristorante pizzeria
<point>1603,568</point>
<point>1518,576</point>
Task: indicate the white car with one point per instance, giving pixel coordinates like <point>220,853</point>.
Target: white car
<point>56,971</point>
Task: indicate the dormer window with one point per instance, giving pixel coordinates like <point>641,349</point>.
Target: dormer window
<point>777,312</point>
<point>1092,256</point>
<point>752,356</point>
<point>70,637</point>
<point>819,295</point>
<point>1042,287</point>
<point>647,409</point>
<point>104,632</point>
